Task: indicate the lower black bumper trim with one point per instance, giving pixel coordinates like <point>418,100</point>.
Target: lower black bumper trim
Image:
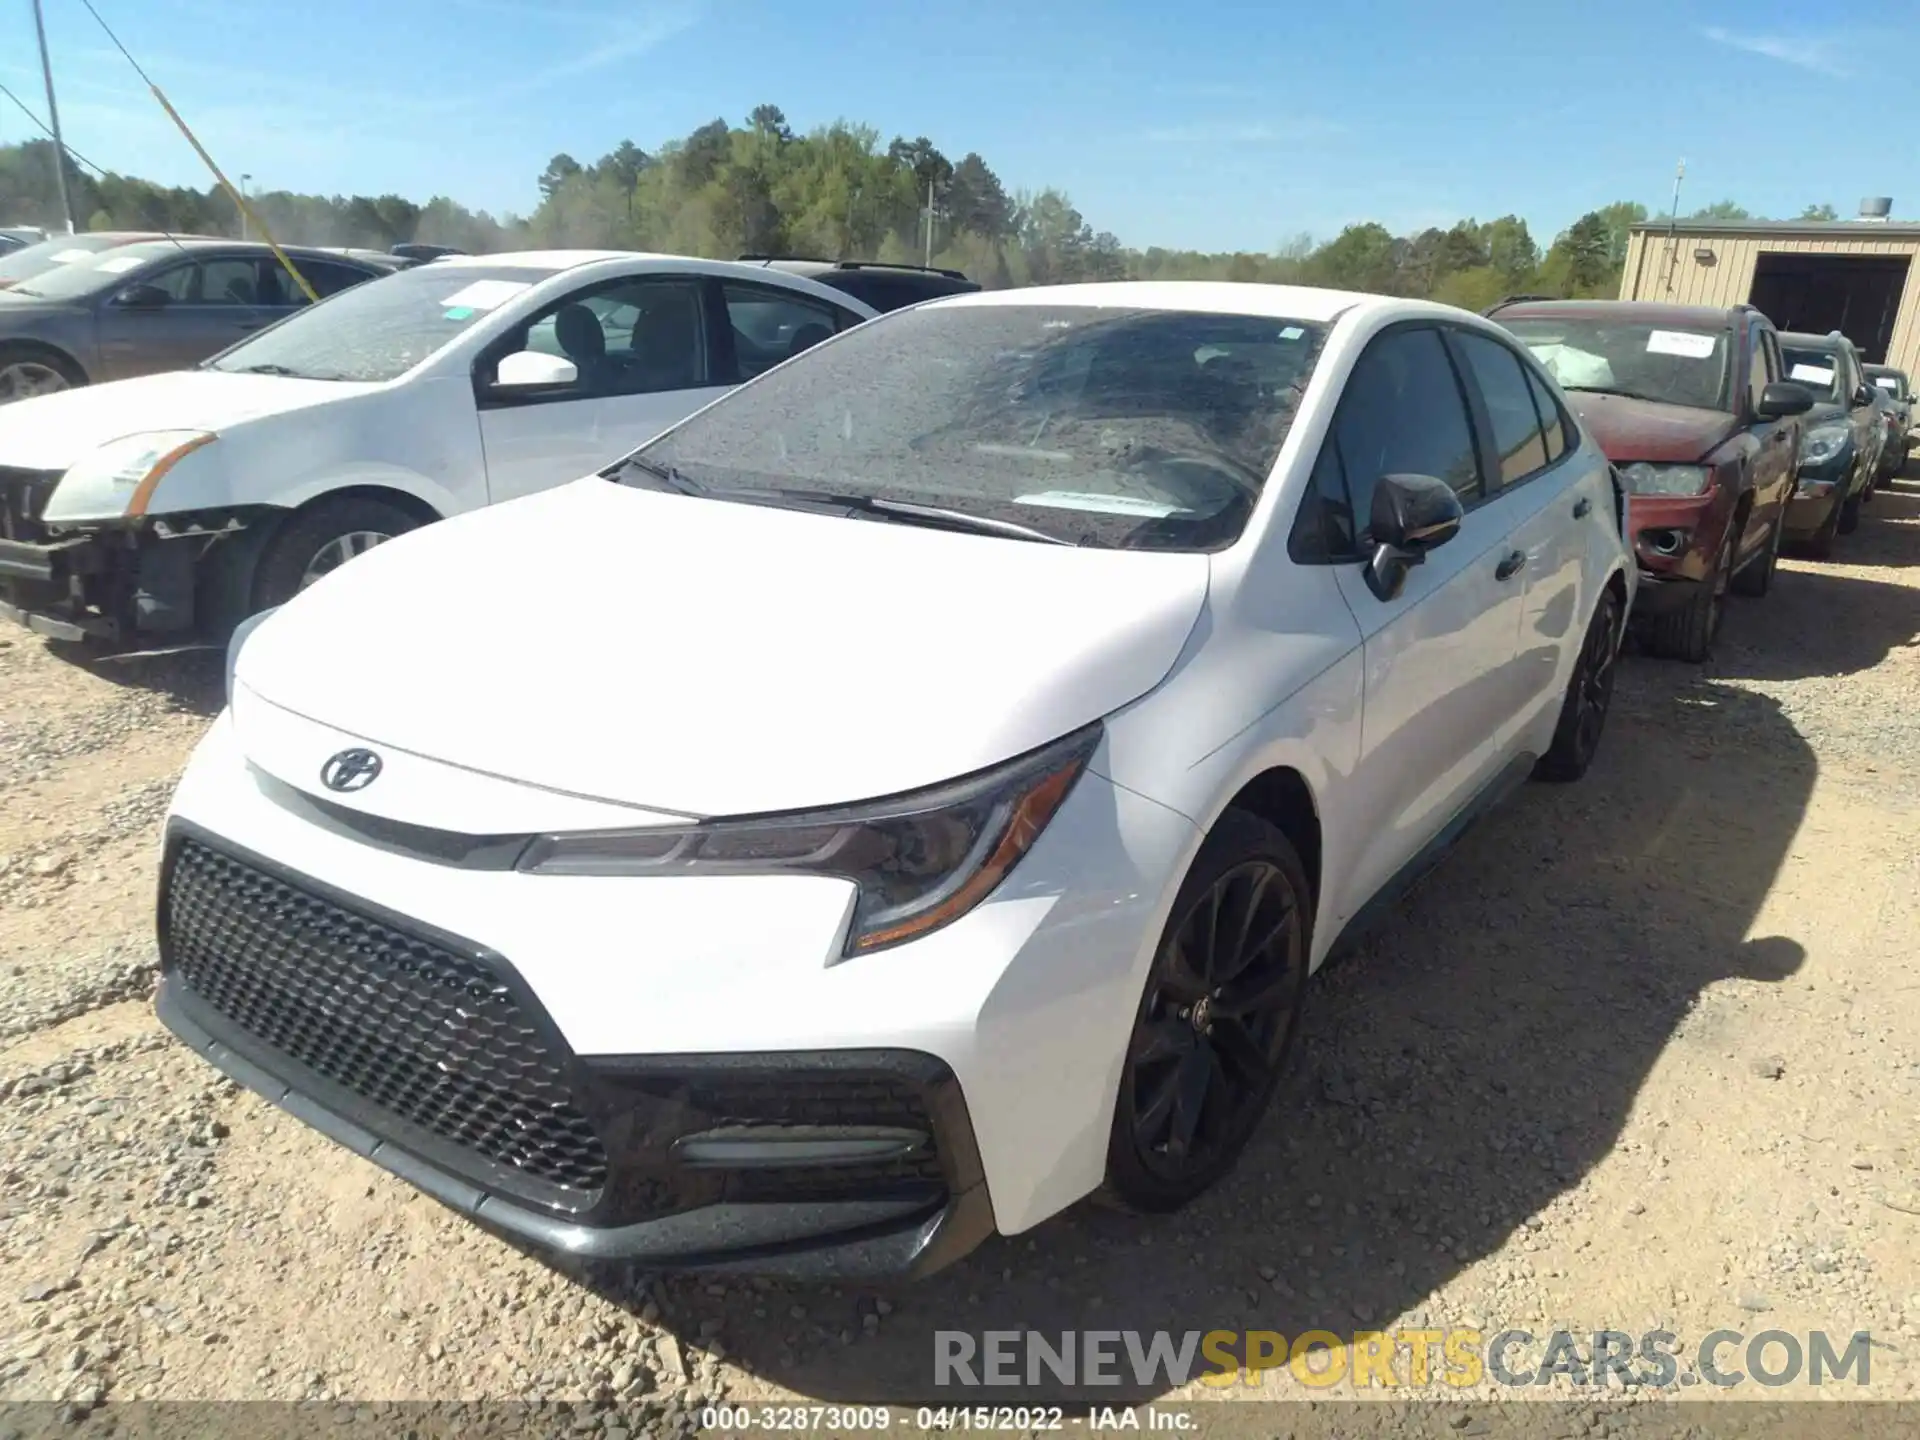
<point>823,1241</point>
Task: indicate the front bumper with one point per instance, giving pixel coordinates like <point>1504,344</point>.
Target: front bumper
<point>1000,1037</point>
<point>1675,541</point>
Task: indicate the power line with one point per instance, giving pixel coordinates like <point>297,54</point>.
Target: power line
<point>24,110</point>
<point>116,42</point>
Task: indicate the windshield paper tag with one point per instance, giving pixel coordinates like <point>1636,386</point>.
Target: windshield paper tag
<point>120,264</point>
<point>1886,382</point>
<point>1680,342</point>
<point>1102,504</point>
<point>67,257</point>
<point>485,294</point>
<point>1812,374</point>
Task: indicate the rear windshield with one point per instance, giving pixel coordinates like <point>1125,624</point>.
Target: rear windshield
<point>82,275</point>
<point>1674,365</point>
<point>1818,370</point>
<point>382,329</point>
<point>31,260</point>
<point>1120,428</point>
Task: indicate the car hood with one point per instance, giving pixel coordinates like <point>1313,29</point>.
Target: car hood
<point>1630,429</point>
<point>713,658</point>
<point>50,432</point>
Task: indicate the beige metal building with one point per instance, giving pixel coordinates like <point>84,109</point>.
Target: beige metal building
<point>1855,276</point>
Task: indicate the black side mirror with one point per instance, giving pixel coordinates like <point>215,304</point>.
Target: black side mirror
<point>1783,398</point>
<point>1411,515</point>
<point>1863,396</point>
<point>143,297</point>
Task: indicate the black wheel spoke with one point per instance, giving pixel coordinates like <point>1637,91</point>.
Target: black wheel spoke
<point>1264,992</point>
<point>1190,1085</point>
<point>1161,1041</point>
<point>1242,951</point>
<point>1182,980</point>
<point>1238,1052</point>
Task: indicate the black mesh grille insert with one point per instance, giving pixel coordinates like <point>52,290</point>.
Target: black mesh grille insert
<point>426,1034</point>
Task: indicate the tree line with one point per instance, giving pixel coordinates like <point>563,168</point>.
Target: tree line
<point>837,192</point>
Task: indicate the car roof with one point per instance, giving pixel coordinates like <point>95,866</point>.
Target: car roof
<point>1803,340</point>
<point>1630,312</point>
<point>1884,370</point>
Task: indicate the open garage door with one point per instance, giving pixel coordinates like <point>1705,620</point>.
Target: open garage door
<point>1857,295</point>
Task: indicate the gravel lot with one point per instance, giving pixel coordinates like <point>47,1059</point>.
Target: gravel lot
<point>1645,1053</point>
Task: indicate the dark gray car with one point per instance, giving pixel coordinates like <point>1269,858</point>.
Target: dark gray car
<point>158,305</point>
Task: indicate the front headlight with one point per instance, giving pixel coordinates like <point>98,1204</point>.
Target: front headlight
<point>919,861</point>
<point>136,463</point>
<point>239,637</point>
<point>1823,442</point>
<point>1644,479</point>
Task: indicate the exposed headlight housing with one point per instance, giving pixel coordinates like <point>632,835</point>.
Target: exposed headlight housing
<point>1642,478</point>
<point>1823,442</point>
<point>919,861</point>
<point>136,463</point>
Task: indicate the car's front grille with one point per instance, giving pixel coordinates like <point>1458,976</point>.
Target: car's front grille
<point>403,1023</point>
<point>23,500</point>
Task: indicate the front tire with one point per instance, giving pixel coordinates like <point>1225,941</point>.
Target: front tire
<point>1219,1014</point>
<point>1756,578</point>
<point>1849,515</point>
<point>1688,633</point>
<point>27,371</point>
<point>314,542</point>
<point>1583,714</point>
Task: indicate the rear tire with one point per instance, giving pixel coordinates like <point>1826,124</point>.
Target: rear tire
<point>315,541</point>
<point>1583,714</point>
<point>1220,1010</point>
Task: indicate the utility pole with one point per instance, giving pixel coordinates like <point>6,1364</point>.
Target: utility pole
<point>929,215</point>
<point>243,213</point>
<point>53,116</point>
<point>1673,225</point>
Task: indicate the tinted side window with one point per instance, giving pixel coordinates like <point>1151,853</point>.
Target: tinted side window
<point>277,287</point>
<point>1503,386</point>
<point>772,325</point>
<point>178,281</point>
<point>1323,530</point>
<point>1403,413</point>
<point>1553,420</point>
<point>230,282</point>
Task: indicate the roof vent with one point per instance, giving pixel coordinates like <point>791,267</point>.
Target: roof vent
<point>1876,207</point>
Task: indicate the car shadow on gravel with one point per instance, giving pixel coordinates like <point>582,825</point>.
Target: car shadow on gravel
<point>1464,1069</point>
<point>195,680</point>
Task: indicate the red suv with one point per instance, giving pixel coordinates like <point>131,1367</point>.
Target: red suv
<point>1691,406</point>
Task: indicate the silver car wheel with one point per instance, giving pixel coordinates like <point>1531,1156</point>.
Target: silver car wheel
<point>335,553</point>
<point>23,379</point>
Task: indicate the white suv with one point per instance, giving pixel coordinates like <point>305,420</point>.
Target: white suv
<point>961,745</point>
<point>157,510</point>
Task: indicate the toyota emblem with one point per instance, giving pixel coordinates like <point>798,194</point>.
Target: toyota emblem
<point>350,770</point>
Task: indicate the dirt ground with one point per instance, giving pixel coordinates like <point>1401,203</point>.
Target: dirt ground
<point>1643,1055</point>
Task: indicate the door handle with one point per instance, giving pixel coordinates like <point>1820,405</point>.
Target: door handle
<point>1510,567</point>
<point>1582,508</point>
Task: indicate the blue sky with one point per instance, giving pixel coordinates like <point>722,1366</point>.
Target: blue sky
<point>1211,124</point>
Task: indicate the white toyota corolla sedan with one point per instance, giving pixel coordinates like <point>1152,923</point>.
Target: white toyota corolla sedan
<point>922,781</point>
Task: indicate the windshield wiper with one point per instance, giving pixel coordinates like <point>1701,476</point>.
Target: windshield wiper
<point>669,478</point>
<point>1616,390</point>
<point>911,513</point>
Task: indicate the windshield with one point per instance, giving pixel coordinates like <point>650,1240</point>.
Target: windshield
<point>382,329</point>
<point>84,275</point>
<point>1891,381</point>
<point>1815,369</point>
<point>31,260</point>
<point>1675,366</point>
<point>1144,429</point>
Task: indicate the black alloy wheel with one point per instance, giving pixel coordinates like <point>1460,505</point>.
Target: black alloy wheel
<point>1219,1013</point>
<point>1583,714</point>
